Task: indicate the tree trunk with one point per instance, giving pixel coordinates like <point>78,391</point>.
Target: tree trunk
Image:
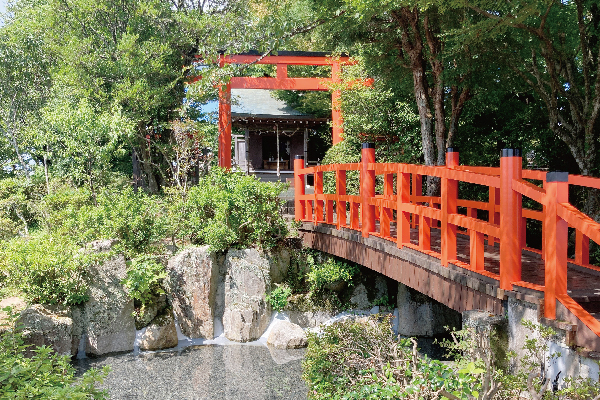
<point>146,161</point>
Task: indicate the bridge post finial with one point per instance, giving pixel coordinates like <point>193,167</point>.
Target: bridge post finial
<point>511,215</point>
<point>367,189</point>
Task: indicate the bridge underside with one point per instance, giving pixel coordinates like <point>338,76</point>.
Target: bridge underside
<point>453,286</point>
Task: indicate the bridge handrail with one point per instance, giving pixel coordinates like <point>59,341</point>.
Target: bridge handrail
<point>506,216</point>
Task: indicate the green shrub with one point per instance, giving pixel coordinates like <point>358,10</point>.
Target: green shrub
<point>364,360</point>
<point>328,271</point>
<point>278,298</point>
<point>133,218</point>
<point>144,279</point>
<point>46,375</point>
<point>47,269</point>
<point>231,210</point>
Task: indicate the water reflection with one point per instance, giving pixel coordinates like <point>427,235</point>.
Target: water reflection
<point>204,372</point>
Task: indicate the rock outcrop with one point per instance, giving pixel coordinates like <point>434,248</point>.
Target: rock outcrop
<point>50,326</point>
<point>286,335</point>
<point>192,282</point>
<point>246,313</point>
<point>161,333</point>
<point>106,320</point>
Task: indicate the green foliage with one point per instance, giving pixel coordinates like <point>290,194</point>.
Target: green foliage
<point>230,210</point>
<point>45,375</point>
<point>120,213</point>
<point>363,359</point>
<point>144,279</point>
<point>327,272</point>
<point>47,269</point>
<point>278,298</point>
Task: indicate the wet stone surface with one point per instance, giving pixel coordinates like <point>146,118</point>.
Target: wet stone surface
<point>202,372</point>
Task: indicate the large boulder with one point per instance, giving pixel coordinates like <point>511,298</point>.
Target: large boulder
<point>192,283</point>
<point>50,326</point>
<point>161,333</point>
<point>106,320</point>
<point>286,335</point>
<point>246,313</point>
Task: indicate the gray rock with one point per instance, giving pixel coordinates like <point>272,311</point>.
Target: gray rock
<point>149,311</point>
<point>246,314</point>
<point>283,356</point>
<point>192,282</point>
<point>161,333</point>
<point>50,326</point>
<point>101,246</point>
<point>420,315</point>
<point>309,319</point>
<point>360,298</point>
<point>279,262</point>
<point>106,320</point>
<point>286,335</point>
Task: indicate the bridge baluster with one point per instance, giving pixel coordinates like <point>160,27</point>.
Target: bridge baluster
<point>417,190</point>
<point>299,189</point>
<point>318,191</point>
<point>511,213</point>
<point>386,212</point>
<point>557,232</point>
<point>340,189</point>
<point>582,248</point>
<point>476,242</point>
<point>449,206</point>
<point>367,189</point>
<point>493,215</point>
<point>403,217</point>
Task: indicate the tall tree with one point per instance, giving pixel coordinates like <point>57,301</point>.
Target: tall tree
<point>25,75</point>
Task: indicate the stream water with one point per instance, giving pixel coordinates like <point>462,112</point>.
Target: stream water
<point>203,372</point>
<point>199,369</point>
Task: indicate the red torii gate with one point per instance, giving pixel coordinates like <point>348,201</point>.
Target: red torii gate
<point>280,82</point>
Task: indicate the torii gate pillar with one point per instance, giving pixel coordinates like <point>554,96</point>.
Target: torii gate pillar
<point>336,106</point>
<point>225,126</point>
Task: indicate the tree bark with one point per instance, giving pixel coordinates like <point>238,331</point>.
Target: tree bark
<point>146,161</point>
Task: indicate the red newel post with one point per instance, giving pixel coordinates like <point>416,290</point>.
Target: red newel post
<point>511,214</point>
<point>299,205</point>
<point>449,206</point>
<point>367,189</point>
<point>557,232</point>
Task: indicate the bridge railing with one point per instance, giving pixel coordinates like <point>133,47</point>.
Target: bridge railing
<point>401,205</point>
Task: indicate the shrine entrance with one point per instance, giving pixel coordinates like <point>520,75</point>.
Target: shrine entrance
<point>280,82</point>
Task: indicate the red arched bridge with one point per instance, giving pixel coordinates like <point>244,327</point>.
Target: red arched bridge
<point>437,244</point>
